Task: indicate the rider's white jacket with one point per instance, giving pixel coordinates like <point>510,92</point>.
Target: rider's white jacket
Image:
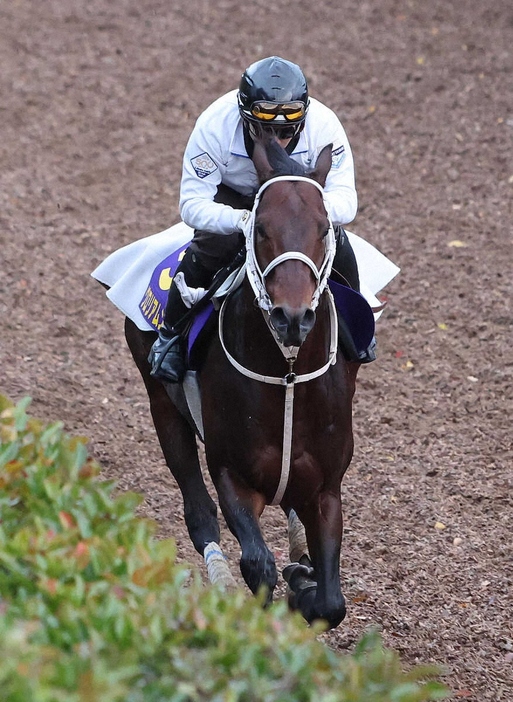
<point>215,153</point>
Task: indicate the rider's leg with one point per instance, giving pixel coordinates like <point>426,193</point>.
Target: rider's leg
<point>345,265</point>
<point>167,355</point>
<point>344,262</point>
<point>207,253</point>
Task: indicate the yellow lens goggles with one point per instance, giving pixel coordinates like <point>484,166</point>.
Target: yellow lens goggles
<point>266,111</point>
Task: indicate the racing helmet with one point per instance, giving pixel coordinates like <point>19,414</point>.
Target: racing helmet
<point>273,93</point>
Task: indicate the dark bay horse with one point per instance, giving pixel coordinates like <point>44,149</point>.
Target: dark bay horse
<point>276,397</point>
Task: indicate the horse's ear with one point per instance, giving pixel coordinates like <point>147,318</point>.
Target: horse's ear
<point>261,160</point>
<point>322,165</point>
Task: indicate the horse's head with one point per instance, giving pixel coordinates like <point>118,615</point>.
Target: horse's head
<point>292,240</point>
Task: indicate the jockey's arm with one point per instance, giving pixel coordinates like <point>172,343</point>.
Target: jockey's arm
<point>339,190</point>
<point>197,206</point>
<point>202,172</point>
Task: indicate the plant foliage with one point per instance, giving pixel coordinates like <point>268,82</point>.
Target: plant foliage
<point>94,608</point>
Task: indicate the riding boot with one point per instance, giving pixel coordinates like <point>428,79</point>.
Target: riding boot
<point>168,354</point>
<point>346,268</point>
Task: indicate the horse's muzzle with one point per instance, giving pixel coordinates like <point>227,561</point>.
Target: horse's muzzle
<point>292,326</point>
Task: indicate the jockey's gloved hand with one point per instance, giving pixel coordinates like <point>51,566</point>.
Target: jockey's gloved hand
<point>190,296</point>
<point>244,222</point>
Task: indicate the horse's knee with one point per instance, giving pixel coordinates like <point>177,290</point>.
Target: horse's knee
<point>258,569</point>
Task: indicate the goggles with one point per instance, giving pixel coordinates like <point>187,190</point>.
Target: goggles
<point>267,111</point>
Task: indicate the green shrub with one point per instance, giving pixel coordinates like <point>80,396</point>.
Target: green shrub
<point>94,608</point>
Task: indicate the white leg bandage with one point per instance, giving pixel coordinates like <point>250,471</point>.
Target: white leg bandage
<point>297,538</point>
<point>217,567</point>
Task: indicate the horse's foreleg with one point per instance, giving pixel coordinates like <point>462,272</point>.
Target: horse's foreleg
<point>242,509</point>
<point>323,524</point>
<point>178,443</point>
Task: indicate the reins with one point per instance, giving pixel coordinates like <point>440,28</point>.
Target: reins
<point>256,278</point>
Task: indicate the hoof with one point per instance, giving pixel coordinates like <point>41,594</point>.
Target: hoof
<point>300,580</point>
<point>303,596</point>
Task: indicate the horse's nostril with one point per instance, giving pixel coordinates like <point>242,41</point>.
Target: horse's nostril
<point>292,327</point>
<point>280,320</point>
<point>308,321</point>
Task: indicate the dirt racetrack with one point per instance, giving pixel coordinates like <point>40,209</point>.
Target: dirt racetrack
<point>98,99</point>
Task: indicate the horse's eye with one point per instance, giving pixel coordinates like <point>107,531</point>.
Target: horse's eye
<point>260,231</point>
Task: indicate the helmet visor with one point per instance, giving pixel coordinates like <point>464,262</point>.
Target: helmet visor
<point>267,111</point>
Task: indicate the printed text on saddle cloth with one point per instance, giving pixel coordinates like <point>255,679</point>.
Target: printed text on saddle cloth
<point>154,300</point>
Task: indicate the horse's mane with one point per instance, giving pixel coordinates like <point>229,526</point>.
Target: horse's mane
<point>280,162</point>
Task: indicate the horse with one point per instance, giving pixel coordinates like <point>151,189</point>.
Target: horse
<point>276,398</point>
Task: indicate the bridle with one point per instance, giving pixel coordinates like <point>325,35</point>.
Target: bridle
<point>256,279</point>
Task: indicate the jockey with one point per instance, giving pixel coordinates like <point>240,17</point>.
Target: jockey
<point>219,183</point>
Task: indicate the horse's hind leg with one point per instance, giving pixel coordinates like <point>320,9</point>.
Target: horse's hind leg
<point>299,574</point>
<point>178,443</point>
<point>298,547</point>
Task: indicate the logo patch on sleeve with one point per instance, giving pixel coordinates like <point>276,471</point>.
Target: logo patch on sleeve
<point>203,165</point>
<point>337,156</point>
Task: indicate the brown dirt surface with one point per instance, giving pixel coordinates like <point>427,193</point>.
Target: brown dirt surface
<point>98,99</point>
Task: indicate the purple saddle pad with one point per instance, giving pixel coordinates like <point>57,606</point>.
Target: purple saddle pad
<point>356,313</point>
<point>153,302</point>
<point>197,325</point>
